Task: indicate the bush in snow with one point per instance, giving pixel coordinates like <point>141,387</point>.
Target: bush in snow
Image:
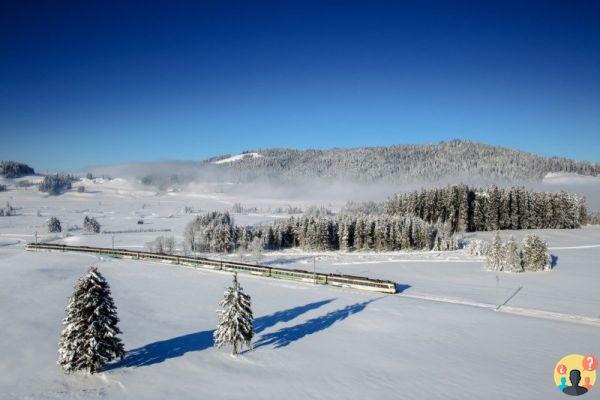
<point>477,247</point>
<point>7,211</point>
<point>593,218</point>
<point>56,184</point>
<point>2,188</point>
<point>89,338</point>
<point>54,225</point>
<point>512,256</point>
<point>89,176</point>
<point>495,254</point>
<point>314,211</point>
<point>162,245</point>
<point>240,209</point>
<point>257,248</point>
<point>535,254</point>
<point>444,239</point>
<point>235,319</point>
<point>211,232</point>
<point>80,189</point>
<point>91,225</point>
<point>25,184</point>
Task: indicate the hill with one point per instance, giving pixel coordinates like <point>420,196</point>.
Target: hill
<point>444,161</point>
<point>13,169</point>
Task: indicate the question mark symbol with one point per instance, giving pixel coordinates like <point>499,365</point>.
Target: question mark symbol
<point>590,362</point>
<point>561,369</point>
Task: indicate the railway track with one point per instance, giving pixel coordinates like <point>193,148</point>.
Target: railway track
<point>356,282</point>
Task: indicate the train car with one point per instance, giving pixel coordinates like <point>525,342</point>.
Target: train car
<point>294,274</point>
<point>248,268</point>
<point>356,282</point>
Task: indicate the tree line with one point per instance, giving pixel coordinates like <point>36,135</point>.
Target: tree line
<point>216,232</point>
<point>13,169</point>
<point>492,208</point>
<point>56,184</point>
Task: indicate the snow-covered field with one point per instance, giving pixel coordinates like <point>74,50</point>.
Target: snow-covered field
<point>455,331</point>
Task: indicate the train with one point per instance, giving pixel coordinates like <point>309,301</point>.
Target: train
<point>339,280</point>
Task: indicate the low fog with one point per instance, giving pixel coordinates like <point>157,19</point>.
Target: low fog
<point>197,177</point>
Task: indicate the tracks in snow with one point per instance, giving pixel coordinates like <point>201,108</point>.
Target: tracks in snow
<point>503,308</point>
<point>591,246</point>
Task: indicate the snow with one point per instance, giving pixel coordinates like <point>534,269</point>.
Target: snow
<point>456,331</point>
<point>238,158</point>
<point>570,178</point>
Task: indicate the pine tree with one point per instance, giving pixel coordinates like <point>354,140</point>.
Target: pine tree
<point>479,212</point>
<point>91,225</point>
<point>535,254</point>
<point>512,256</point>
<point>492,216</point>
<point>54,225</point>
<point>463,209</point>
<point>344,235</point>
<point>235,319</point>
<point>89,338</point>
<point>582,212</point>
<point>495,254</point>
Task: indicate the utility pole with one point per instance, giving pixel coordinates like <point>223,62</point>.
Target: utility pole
<point>35,240</point>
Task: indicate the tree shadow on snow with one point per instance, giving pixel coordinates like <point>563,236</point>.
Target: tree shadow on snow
<point>262,323</point>
<point>162,350</point>
<point>285,260</point>
<point>285,336</point>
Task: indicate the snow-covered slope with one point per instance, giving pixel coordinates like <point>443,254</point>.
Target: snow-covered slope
<point>447,162</point>
<point>238,158</point>
<point>557,178</point>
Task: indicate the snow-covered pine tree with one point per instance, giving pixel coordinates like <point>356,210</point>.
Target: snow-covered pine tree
<point>90,224</point>
<point>535,254</point>
<point>89,338</point>
<point>343,235</point>
<point>235,319</point>
<point>479,211</point>
<point>495,254</point>
<point>54,225</point>
<point>257,247</point>
<point>582,213</point>
<point>504,210</point>
<point>512,256</point>
<point>463,209</point>
<point>493,209</point>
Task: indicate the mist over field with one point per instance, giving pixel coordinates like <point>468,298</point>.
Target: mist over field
<point>234,178</point>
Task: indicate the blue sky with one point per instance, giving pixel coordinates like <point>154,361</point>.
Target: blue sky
<point>87,83</point>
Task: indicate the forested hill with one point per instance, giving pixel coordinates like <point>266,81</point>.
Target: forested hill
<point>13,169</point>
<point>451,160</point>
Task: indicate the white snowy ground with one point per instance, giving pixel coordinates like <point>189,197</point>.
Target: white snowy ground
<point>442,338</point>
